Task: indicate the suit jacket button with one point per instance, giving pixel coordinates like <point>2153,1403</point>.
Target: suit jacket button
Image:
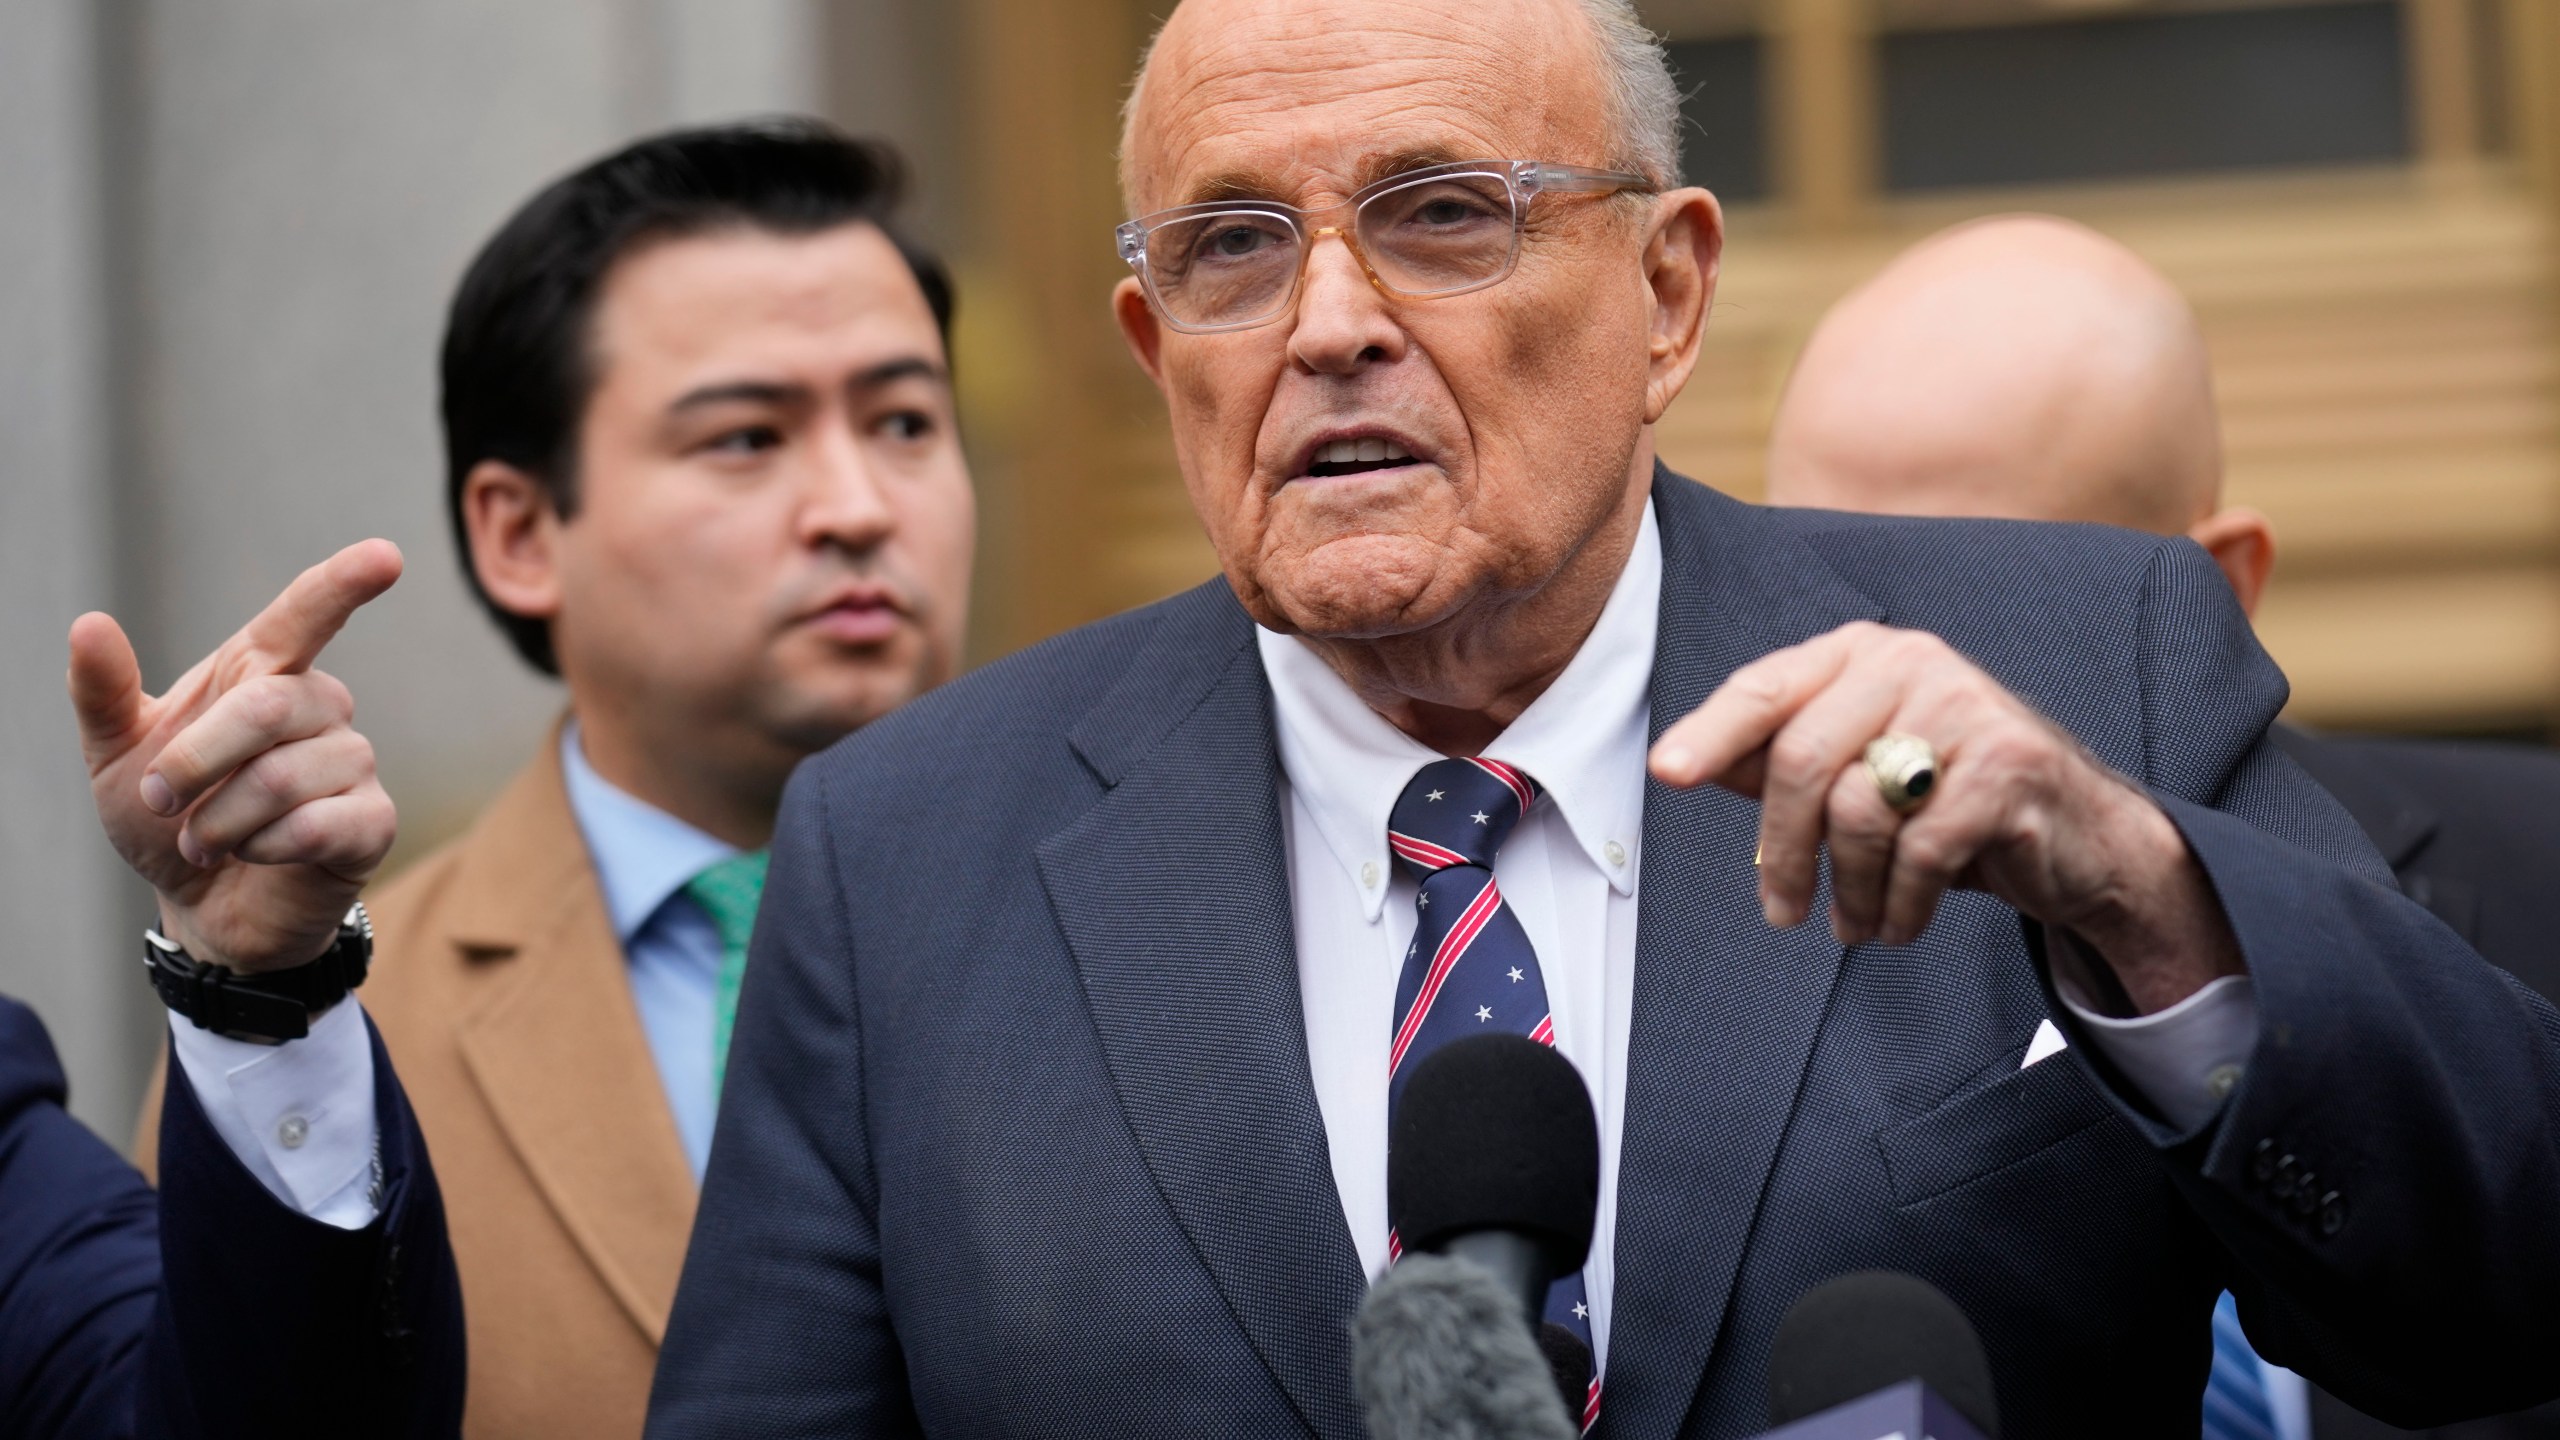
<point>2262,1165</point>
<point>2288,1175</point>
<point>2333,1214</point>
<point>2305,1186</point>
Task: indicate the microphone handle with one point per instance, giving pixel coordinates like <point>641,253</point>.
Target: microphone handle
<point>1515,1260</point>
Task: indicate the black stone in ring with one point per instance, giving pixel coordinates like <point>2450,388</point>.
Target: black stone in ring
<point>1905,768</point>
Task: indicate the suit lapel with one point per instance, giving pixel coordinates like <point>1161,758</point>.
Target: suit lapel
<point>1173,893</point>
<point>559,1055</point>
<point>1725,1008</point>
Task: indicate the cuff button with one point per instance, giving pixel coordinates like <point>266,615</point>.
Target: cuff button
<point>2333,1214</point>
<point>2262,1165</point>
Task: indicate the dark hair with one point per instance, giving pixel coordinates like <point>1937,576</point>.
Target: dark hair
<point>517,364</point>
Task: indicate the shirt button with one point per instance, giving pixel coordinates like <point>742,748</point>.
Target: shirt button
<point>1616,852</point>
<point>2222,1080</point>
<point>291,1131</point>
<point>1368,874</point>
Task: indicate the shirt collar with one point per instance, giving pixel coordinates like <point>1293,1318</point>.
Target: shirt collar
<point>642,854</point>
<point>1583,740</point>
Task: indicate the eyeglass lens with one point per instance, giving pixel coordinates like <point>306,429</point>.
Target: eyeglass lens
<point>1432,236</point>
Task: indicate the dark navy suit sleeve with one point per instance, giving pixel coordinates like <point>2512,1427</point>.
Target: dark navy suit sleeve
<point>781,1323</point>
<point>213,1310</point>
<point>2384,1177</point>
<point>272,1323</point>
<point>79,1254</point>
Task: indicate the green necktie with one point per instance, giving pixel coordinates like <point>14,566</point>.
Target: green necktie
<point>728,892</point>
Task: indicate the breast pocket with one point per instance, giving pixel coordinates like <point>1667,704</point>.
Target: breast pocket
<point>1984,1131</point>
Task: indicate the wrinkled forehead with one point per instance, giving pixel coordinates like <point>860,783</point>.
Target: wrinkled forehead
<point>1307,100</point>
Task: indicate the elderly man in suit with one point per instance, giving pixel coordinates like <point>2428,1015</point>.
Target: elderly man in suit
<point>292,1278</point>
<point>703,466</point>
<point>1082,987</point>
<point>2026,367</point>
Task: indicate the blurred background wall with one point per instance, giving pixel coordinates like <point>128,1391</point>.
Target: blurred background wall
<point>227,238</point>
<point>230,231</point>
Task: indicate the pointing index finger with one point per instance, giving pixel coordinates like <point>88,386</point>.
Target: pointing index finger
<point>1752,705</point>
<point>297,625</point>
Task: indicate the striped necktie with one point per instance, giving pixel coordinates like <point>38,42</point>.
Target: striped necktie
<point>2236,1406</point>
<point>728,891</point>
<point>1470,970</point>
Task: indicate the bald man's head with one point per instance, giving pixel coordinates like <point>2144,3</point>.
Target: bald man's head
<point>2021,366</point>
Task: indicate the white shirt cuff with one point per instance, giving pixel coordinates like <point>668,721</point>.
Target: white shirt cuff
<point>299,1115</point>
<point>2187,1059</point>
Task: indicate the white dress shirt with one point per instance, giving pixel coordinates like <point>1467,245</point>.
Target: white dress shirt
<point>299,1115</point>
<point>1570,872</point>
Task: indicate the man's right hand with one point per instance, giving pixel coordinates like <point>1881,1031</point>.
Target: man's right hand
<point>244,794</point>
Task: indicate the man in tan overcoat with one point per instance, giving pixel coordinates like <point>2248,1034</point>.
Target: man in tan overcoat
<point>703,467</point>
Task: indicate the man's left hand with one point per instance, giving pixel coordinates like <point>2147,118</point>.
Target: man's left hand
<point>2019,809</point>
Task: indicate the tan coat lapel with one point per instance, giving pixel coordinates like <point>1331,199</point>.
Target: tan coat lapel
<point>559,1053</point>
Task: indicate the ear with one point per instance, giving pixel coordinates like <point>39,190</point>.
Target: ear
<point>515,539</point>
<point>1683,248</point>
<point>1140,327</point>
<point>2242,542</point>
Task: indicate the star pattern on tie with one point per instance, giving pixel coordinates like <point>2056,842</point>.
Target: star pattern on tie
<point>1471,969</point>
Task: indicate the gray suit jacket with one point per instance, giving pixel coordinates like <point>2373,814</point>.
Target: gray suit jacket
<point>1019,1136</point>
<point>2472,830</point>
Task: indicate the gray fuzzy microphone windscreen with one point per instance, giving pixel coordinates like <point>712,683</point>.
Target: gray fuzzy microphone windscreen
<point>1439,1353</point>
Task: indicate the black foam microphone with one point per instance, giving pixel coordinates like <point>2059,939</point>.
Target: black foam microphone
<point>1494,1157</point>
<point>1859,1333</point>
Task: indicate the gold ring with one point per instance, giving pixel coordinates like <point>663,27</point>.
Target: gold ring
<point>1906,770</point>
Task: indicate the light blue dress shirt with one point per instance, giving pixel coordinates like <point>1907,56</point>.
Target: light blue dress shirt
<point>643,857</point>
<point>2289,1396</point>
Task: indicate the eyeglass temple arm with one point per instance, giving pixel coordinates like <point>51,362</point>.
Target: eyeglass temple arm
<point>1575,178</point>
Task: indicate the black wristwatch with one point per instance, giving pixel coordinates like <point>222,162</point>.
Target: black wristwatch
<point>270,1008</point>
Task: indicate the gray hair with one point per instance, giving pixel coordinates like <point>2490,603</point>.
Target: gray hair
<point>1643,100</point>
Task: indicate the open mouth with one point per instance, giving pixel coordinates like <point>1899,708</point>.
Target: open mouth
<point>1357,457</point>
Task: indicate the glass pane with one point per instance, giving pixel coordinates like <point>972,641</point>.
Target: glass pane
<point>2311,84</point>
<point>1217,269</point>
<point>1725,139</point>
<point>1440,233</point>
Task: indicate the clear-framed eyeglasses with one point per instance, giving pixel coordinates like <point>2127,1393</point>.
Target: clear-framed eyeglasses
<point>1440,230</point>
